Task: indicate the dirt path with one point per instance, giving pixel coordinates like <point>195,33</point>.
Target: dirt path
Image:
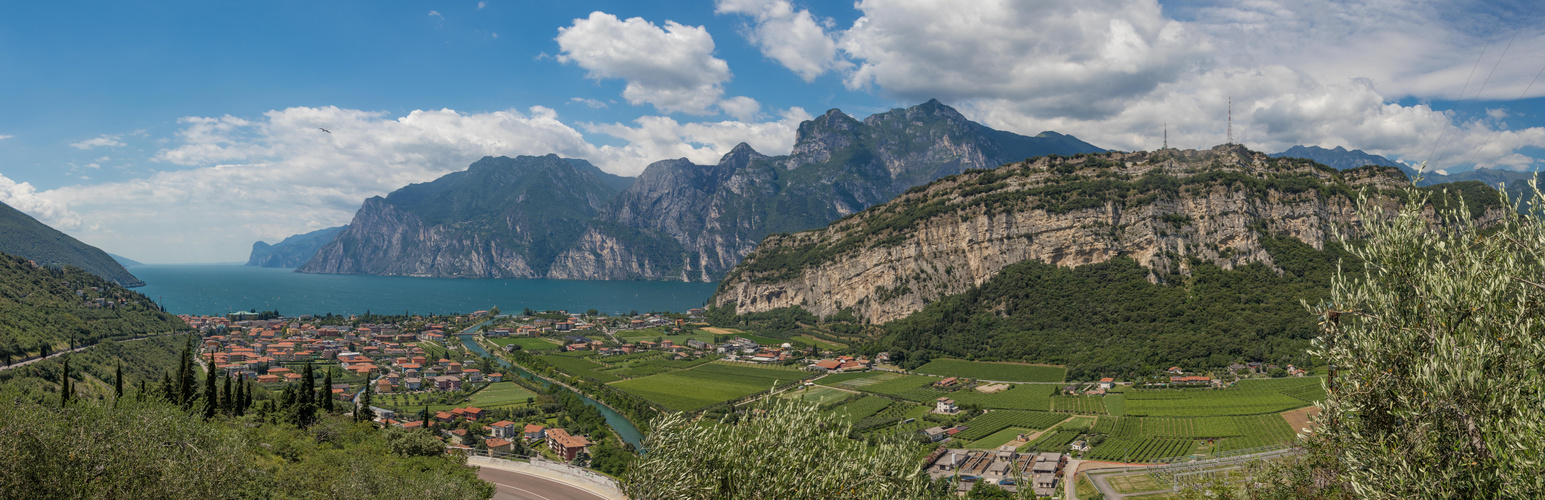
<point>19,364</point>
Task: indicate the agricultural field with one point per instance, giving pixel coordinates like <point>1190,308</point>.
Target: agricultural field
<point>995,421</point>
<point>1226,433</point>
<point>996,439</point>
<point>863,408</point>
<point>527,343</point>
<point>892,384</point>
<point>1139,450</point>
<point>501,394</point>
<point>819,395</point>
<point>579,367</point>
<point>708,384</point>
<point>1053,440</point>
<point>1079,404</point>
<point>1249,397</point>
<point>1019,397</point>
<point>1003,372</point>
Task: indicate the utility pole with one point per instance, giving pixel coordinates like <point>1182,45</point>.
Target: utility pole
<point>1166,136</point>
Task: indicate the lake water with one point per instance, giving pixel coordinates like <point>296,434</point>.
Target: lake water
<point>220,289</point>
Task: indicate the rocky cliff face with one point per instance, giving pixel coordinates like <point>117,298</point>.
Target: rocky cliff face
<point>502,218</point>
<point>695,222</point>
<point>293,251</point>
<point>678,220</point>
<point>1161,209</point>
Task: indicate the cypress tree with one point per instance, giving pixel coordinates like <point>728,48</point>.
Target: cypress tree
<point>364,413</point>
<point>327,392</point>
<point>211,394</point>
<point>307,385</point>
<point>64,384</point>
<point>246,396</point>
<point>187,389</point>
<point>225,396</point>
<point>118,381</point>
<point>168,392</point>
<point>140,396</point>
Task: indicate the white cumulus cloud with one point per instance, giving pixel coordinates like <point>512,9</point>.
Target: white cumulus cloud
<point>794,37</point>
<point>671,67</point>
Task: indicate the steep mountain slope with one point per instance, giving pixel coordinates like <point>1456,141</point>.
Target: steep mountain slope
<point>685,221</point>
<point>125,261</point>
<point>1341,159</point>
<point>294,250</point>
<point>501,218</point>
<point>20,234</point>
<point>1168,211</point>
<point>53,307</point>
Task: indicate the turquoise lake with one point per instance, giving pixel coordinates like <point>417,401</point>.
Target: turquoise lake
<point>220,289</point>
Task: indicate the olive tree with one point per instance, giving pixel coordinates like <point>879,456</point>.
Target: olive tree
<point>1435,346</point>
<point>780,449</point>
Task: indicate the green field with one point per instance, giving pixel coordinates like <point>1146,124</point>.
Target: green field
<point>995,421</point>
<point>1079,404</point>
<point>1003,372</point>
<point>913,387</point>
<point>817,394</point>
<point>527,343</point>
<point>864,407</point>
<point>996,439</point>
<point>1249,397</point>
<point>1019,397</point>
<point>501,394</point>
<point>579,367</point>
<point>708,384</point>
<point>1156,435</point>
<point>1056,440</point>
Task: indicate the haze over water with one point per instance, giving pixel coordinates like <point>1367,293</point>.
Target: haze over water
<point>220,289</point>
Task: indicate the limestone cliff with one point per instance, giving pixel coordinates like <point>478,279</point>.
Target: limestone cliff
<point>1159,208</point>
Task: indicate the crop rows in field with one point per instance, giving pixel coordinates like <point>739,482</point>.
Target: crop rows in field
<point>1079,404</point>
<point>995,421</point>
<point>1020,397</point>
<point>864,407</point>
<point>1137,450</point>
<point>1207,402</point>
<point>707,384</point>
<point>1006,372</point>
<point>579,367</point>
<point>1234,432</point>
<point>854,380</point>
<point>1057,440</point>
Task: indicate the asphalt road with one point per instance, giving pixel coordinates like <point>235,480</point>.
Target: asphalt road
<point>516,486</point>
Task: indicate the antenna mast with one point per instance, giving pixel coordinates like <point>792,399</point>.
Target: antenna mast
<point>1231,120</point>
<point>1166,136</point>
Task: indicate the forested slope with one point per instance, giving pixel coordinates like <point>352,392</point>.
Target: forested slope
<point>40,309</point>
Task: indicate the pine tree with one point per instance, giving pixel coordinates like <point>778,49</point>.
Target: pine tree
<point>118,381</point>
<point>327,391</point>
<point>211,394</point>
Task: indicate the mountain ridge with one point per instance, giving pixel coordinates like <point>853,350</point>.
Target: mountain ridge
<point>20,234</point>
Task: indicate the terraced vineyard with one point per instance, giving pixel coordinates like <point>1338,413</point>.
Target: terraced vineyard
<point>995,421</point>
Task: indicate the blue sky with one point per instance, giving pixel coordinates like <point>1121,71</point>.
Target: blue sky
<point>184,131</point>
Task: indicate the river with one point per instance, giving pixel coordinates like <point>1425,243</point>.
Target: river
<point>618,423</point>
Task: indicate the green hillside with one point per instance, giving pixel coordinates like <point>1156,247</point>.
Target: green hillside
<point>20,234</point>
<point>52,308</point>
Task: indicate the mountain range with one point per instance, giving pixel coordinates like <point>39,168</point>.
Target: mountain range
<point>20,234</point>
<point>550,217</point>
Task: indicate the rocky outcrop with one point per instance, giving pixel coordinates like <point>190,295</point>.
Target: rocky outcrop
<point>293,251</point>
<point>1162,209</point>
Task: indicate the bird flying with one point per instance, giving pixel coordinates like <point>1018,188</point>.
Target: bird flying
<point>324,130</point>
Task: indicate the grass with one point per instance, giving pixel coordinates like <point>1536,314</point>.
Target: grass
<point>530,344</point>
<point>818,395</point>
<point>1247,398</point>
<point>1136,483</point>
<point>708,384</point>
<point>864,407</point>
<point>996,439</point>
<point>1003,372</point>
<point>580,367</point>
<point>992,422</point>
<point>501,394</point>
<point>1020,397</point>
